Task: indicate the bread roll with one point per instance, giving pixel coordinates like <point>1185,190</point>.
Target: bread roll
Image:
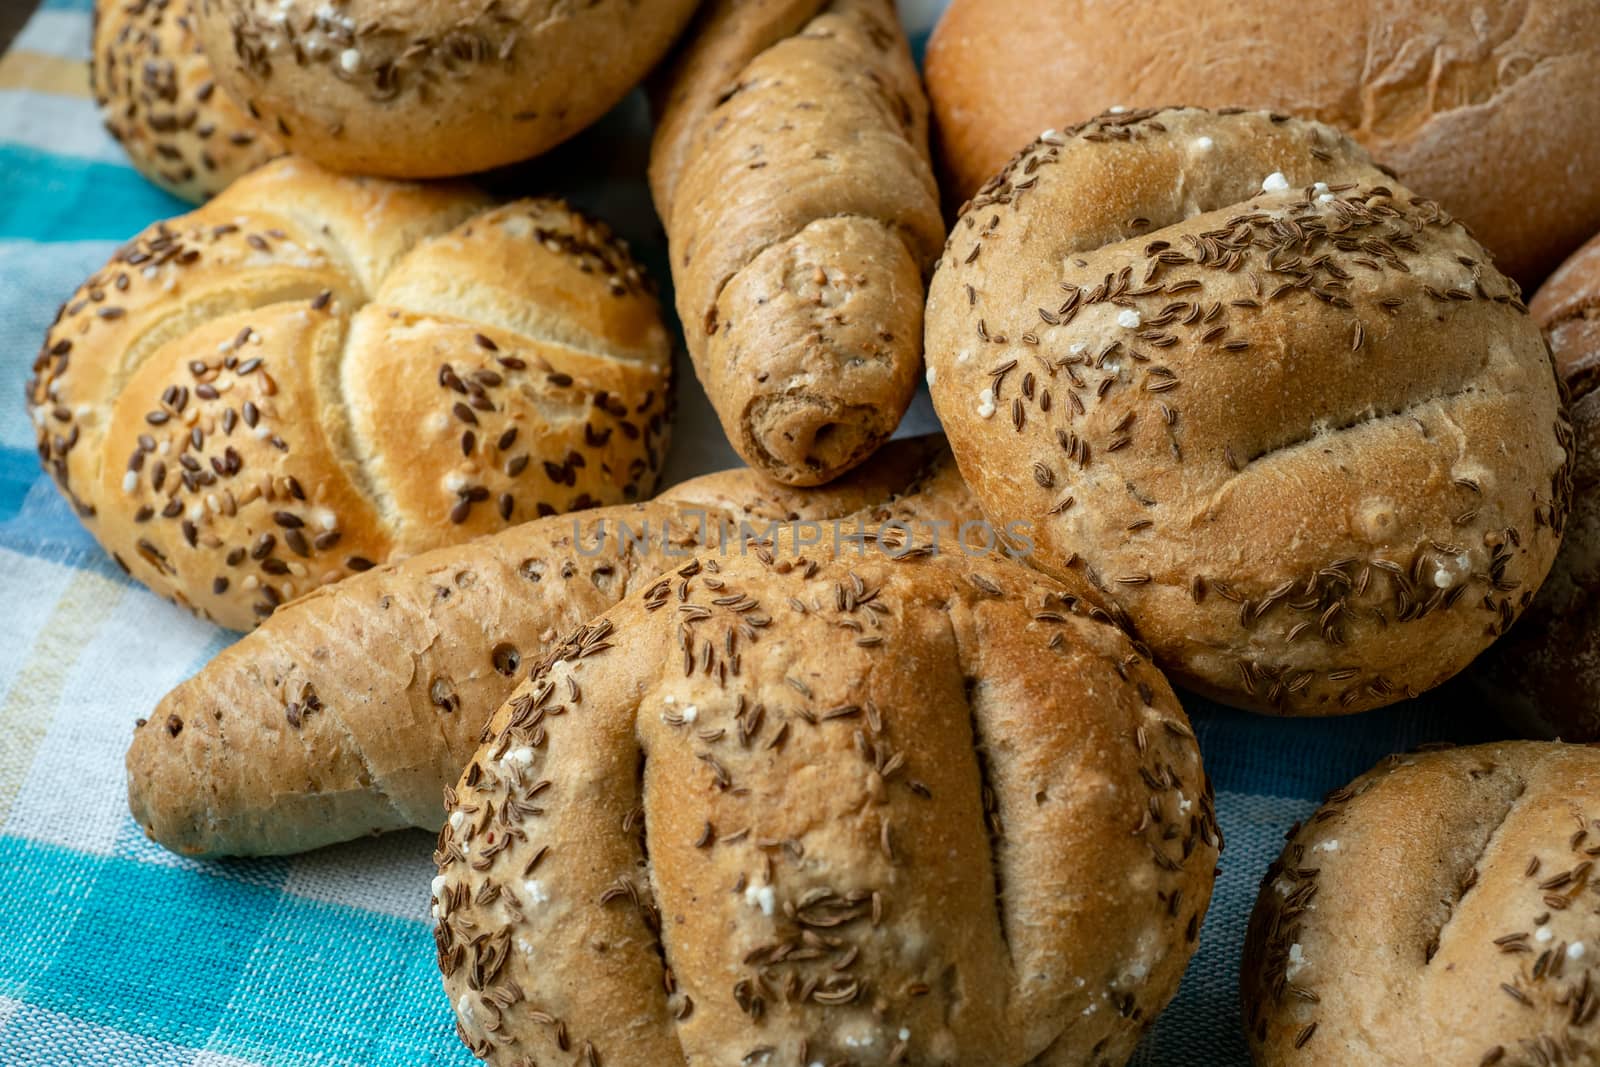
<point>800,811</point>
<point>1546,674</point>
<point>1486,108</point>
<point>312,374</point>
<point>158,97</point>
<point>791,167</point>
<point>432,88</point>
<point>349,711</point>
<point>1442,909</point>
<point>1277,412</point>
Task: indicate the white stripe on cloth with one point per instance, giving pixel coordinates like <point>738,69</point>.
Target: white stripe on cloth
<point>60,125</point>
<point>217,1059</point>
<point>38,277</point>
<point>109,652</point>
<point>56,33</point>
<point>388,874</point>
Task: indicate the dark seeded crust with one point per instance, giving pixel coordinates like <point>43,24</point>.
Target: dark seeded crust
<point>1311,450</point>
<point>1546,674</point>
<point>798,811</point>
<point>432,88</point>
<point>1442,909</point>
<point>791,167</point>
<point>158,97</point>
<point>1482,107</point>
<point>351,709</point>
<point>314,374</point>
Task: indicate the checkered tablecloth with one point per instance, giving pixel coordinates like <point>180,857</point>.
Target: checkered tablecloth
<point>115,952</point>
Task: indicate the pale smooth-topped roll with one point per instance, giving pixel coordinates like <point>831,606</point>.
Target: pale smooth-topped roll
<point>432,88</point>
<point>1281,414</point>
<point>791,811</point>
<point>1443,909</point>
<point>312,375</point>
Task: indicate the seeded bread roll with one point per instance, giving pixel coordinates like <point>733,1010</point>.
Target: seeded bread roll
<point>433,89</point>
<point>1442,909</point>
<point>1546,674</point>
<point>349,711</point>
<point>790,164</point>
<point>786,810</point>
<point>1278,412</point>
<point>313,374</point>
<point>158,97</point>
<point>1483,107</point>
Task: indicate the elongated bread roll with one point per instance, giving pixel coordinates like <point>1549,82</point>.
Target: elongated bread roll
<point>791,167</point>
<point>350,710</point>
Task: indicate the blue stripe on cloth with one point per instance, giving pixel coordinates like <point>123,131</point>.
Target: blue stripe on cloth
<point>264,976</point>
<point>19,469</point>
<point>84,6</point>
<point>57,198</point>
<point>42,523</point>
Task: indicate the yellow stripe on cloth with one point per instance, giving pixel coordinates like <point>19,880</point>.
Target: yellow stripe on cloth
<point>45,74</point>
<point>30,704</point>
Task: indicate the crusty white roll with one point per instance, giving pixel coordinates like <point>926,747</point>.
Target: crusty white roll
<point>1442,909</point>
<point>432,88</point>
<point>781,809</point>
<point>1278,414</point>
<point>158,96</point>
<point>1545,676</point>
<point>313,374</point>
<point>1485,108</point>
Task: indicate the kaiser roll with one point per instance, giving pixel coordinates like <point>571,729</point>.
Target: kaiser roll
<point>313,374</point>
<point>156,94</point>
<point>432,88</point>
<point>1546,674</point>
<point>1487,108</point>
<point>792,811</point>
<point>1280,415</point>
<point>1443,909</point>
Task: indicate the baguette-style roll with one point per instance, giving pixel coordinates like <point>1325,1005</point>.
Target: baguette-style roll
<point>158,97</point>
<point>794,810</point>
<point>1442,909</point>
<point>313,374</point>
<point>349,711</point>
<point>790,164</point>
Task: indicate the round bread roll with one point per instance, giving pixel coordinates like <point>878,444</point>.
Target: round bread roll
<point>793,811</point>
<point>1442,909</point>
<point>1483,107</point>
<point>1546,674</point>
<point>433,89</point>
<point>157,96</point>
<point>313,374</point>
<point>1279,414</point>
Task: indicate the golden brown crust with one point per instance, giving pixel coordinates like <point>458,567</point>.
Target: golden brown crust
<point>791,810</point>
<point>790,165</point>
<point>1441,909</point>
<point>436,88</point>
<point>1545,676</point>
<point>158,97</point>
<point>1307,441</point>
<point>1480,107</point>
<point>350,710</point>
<point>313,374</point>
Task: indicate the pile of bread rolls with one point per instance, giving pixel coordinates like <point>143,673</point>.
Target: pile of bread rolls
<point>776,767</point>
